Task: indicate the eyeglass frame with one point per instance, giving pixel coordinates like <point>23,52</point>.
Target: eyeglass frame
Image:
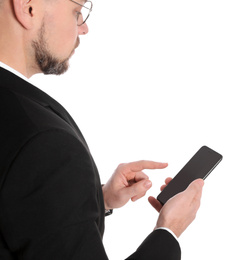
<point>90,9</point>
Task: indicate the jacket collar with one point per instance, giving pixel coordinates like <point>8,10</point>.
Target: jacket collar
<point>18,85</point>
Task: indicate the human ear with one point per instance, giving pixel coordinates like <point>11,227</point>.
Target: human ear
<point>24,12</point>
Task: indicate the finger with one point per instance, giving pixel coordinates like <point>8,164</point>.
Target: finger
<point>140,176</point>
<point>136,177</point>
<point>141,165</point>
<point>155,203</point>
<point>163,187</point>
<point>137,189</point>
<point>135,198</point>
<point>168,180</point>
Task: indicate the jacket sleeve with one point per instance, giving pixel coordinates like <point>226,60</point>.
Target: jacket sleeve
<point>159,245</point>
<point>49,206</point>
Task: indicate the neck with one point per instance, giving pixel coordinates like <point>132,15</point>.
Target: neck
<point>15,56</point>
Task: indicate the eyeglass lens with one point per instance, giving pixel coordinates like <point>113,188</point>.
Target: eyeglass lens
<point>85,11</point>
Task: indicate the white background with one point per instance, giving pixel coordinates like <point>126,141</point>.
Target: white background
<point>153,80</point>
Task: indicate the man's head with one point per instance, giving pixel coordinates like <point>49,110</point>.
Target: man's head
<point>45,32</point>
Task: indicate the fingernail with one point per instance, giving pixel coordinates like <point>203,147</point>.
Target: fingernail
<point>147,184</point>
<point>201,182</point>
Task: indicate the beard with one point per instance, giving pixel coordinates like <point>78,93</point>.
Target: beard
<point>48,63</point>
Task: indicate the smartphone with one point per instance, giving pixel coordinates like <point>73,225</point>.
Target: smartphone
<point>198,167</point>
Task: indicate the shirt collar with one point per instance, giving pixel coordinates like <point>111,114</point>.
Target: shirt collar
<point>6,67</point>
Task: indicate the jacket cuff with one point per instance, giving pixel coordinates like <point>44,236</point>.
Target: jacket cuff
<point>160,245</point>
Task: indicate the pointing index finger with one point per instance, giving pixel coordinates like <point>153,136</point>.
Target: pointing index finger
<point>141,165</point>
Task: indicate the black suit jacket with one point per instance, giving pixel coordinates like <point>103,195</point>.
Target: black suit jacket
<point>51,202</point>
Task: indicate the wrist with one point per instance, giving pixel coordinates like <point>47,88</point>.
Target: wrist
<point>107,208</point>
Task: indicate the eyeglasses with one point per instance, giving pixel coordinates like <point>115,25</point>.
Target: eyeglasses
<point>84,14</point>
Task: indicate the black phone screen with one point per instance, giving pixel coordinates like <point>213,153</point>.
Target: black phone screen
<point>198,167</point>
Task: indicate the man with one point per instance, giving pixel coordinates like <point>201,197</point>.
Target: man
<point>52,205</point>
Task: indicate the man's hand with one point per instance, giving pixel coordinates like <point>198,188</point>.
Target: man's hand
<point>128,182</point>
<point>180,211</point>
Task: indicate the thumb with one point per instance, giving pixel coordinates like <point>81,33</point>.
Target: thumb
<point>138,188</point>
<point>194,190</point>
<point>197,185</point>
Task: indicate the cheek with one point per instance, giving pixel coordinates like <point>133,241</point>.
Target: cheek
<point>67,37</point>
<point>63,35</point>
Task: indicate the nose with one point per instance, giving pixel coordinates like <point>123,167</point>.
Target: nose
<point>83,29</point>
